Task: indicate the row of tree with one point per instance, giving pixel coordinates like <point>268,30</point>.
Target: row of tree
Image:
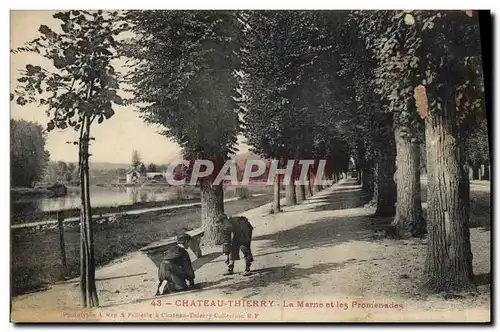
<point>334,86</point>
<point>425,72</point>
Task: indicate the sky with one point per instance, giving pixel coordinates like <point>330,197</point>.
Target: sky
<point>115,139</point>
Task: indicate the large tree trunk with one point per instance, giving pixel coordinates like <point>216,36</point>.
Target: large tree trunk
<point>448,265</point>
<point>386,166</point>
<point>276,208</point>
<point>300,189</point>
<point>316,187</point>
<point>312,178</point>
<point>408,221</point>
<point>87,258</point>
<point>309,185</point>
<point>290,188</point>
<point>212,206</point>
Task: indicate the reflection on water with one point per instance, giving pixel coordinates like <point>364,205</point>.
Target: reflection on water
<point>99,197</point>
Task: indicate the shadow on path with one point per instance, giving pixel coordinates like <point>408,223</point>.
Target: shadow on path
<point>200,287</point>
<point>323,232</point>
<point>287,275</point>
<point>205,259</point>
<point>117,277</point>
<point>345,196</point>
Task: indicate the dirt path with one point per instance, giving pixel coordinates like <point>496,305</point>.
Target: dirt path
<point>323,251</point>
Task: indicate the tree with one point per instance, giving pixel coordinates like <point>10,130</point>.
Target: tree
<point>142,169</point>
<point>363,112</point>
<point>449,97</point>
<point>72,173</point>
<point>183,74</point>
<point>265,105</point>
<point>28,156</point>
<point>136,159</point>
<point>80,88</point>
<point>477,147</point>
<point>57,172</point>
<point>393,47</point>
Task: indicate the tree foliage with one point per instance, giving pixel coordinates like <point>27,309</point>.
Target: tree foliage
<point>152,168</point>
<point>278,48</point>
<point>450,67</point>
<point>61,172</point>
<point>182,70</point>
<point>136,159</point>
<point>452,82</point>
<point>393,44</point>
<point>291,89</point>
<point>477,145</point>
<point>82,82</point>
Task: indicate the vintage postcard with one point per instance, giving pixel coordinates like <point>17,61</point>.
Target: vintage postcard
<point>249,166</point>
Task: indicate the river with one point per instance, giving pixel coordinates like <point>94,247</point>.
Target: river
<point>100,197</point>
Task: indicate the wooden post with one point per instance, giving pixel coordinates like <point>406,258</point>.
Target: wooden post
<point>60,220</point>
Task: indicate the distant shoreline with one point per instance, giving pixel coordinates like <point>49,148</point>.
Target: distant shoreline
<point>56,190</point>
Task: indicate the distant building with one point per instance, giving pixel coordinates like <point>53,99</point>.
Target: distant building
<point>135,176</point>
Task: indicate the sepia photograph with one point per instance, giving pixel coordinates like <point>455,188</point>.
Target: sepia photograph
<point>250,166</point>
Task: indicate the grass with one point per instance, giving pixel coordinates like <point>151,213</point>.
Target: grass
<point>480,204</point>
